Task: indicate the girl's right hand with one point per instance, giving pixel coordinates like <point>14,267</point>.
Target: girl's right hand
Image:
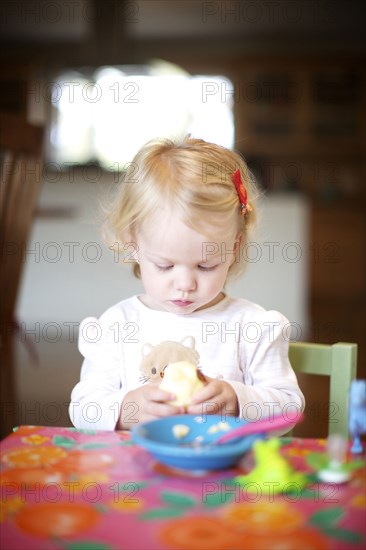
<point>145,403</point>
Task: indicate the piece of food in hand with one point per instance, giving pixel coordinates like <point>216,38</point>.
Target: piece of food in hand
<point>184,380</point>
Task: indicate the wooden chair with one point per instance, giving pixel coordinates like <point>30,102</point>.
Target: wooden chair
<point>338,362</point>
<point>21,171</point>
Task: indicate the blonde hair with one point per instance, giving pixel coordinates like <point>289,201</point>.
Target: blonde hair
<point>193,177</point>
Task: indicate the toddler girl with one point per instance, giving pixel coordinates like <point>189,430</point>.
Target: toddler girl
<point>182,215</point>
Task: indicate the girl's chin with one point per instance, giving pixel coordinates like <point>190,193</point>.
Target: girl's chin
<point>180,307</point>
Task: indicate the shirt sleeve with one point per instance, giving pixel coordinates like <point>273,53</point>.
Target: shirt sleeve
<point>96,400</point>
<point>270,385</point>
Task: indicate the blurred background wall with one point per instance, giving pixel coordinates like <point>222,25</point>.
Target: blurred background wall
<point>296,85</point>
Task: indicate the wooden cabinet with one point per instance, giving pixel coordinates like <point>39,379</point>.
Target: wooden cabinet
<point>300,123</point>
<point>15,80</point>
<point>300,108</point>
<point>338,274</point>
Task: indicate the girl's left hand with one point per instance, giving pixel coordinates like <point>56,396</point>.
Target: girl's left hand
<point>217,396</point>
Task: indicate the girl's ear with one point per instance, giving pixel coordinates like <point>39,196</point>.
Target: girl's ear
<point>131,248</point>
<point>236,248</point>
<point>189,342</point>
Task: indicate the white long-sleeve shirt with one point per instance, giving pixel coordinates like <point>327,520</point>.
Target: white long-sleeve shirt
<point>236,339</point>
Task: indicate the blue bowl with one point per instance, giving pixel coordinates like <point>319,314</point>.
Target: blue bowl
<point>158,437</point>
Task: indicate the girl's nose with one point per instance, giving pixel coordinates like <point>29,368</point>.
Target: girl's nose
<point>185,282</point>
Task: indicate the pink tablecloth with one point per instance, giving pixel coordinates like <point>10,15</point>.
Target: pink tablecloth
<point>71,490</point>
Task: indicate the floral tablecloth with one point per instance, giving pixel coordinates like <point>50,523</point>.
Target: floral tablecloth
<point>82,490</point>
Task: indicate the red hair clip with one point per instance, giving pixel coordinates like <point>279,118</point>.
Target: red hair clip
<point>242,192</point>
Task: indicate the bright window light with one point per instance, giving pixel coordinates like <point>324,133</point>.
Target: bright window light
<point>107,117</point>
<point>71,127</point>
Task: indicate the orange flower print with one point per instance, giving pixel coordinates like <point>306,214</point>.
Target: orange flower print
<point>10,506</point>
<point>359,501</point>
<point>31,477</point>
<point>126,504</point>
<point>259,517</point>
<point>300,539</point>
<point>35,439</point>
<point>58,519</point>
<point>80,461</point>
<point>200,533</point>
<point>32,457</point>
<point>25,430</point>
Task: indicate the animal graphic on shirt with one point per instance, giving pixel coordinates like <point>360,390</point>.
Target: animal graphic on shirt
<point>176,363</point>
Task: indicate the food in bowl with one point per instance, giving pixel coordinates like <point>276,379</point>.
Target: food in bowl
<point>159,437</point>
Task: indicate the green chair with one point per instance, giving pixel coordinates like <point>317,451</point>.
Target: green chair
<point>338,361</point>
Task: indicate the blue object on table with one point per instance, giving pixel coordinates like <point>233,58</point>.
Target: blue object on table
<point>357,414</point>
<point>175,441</point>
